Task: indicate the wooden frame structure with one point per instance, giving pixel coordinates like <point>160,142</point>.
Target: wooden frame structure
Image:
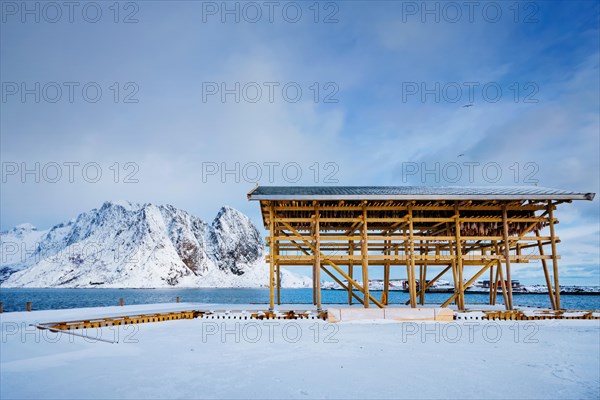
<point>465,231</point>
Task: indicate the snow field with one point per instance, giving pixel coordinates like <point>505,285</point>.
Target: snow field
<point>209,358</point>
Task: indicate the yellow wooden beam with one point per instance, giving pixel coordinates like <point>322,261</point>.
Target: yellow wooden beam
<point>459,259</point>
<point>432,281</point>
<point>350,272</point>
<point>507,256</point>
<point>469,283</point>
<point>317,254</point>
<point>411,278</point>
<point>342,285</point>
<point>554,256</point>
<point>272,260</point>
<point>364,252</point>
<point>338,269</point>
<point>547,276</point>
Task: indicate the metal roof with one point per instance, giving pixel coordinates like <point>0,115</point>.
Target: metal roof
<point>414,193</point>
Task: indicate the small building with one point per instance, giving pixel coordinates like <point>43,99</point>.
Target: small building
<point>465,231</point>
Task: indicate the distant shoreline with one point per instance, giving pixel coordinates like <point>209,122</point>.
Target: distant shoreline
<point>594,291</point>
<point>569,290</point>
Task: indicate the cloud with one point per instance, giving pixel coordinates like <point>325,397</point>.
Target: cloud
<point>374,127</point>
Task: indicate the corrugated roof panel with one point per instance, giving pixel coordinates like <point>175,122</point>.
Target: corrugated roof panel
<point>414,193</point>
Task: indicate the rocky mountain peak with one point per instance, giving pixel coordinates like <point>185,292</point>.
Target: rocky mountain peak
<point>23,228</point>
<point>125,244</point>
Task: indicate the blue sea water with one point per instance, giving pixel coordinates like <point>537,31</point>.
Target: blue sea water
<point>48,299</point>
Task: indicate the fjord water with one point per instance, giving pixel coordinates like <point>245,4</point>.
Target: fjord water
<point>49,299</point>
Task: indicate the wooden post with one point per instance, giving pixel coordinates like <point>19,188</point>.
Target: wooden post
<point>342,285</point>
<point>470,281</point>
<point>314,270</point>
<point>491,286</point>
<point>500,276</point>
<point>396,251</point>
<point>350,270</point>
<point>507,255</point>
<point>459,259</point>
<point>554,258</point>
<point>317,253</point>
<point>407,262</point>
<point>28,306</point>
<point>454,269</point>
<point>424,284</point>
<point>278,284</point>
<point>411,283</point>
<point>364,250</point>
<point>495,288</point>
<point>418,288</point>
<point>503,284</point>
<point>334,265</point>
<point>546,273</point>
<point>432,281</point>
<point>121,302</point>
<point>1,310</point>
<point>278,274</point>
<point>272,257</point>
<point>314,283</point>
<point>177,299</point>
<point>423,277</point>
<point>386,274</point>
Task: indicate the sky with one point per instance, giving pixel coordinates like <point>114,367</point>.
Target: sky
<point>192,103</point>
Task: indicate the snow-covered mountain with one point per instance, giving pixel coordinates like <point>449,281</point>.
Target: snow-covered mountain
<point>129,245</point>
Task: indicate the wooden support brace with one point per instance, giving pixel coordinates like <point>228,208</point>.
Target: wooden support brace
<point>272,259</point>
<point>431,282</point>
<point>507,256</point>
<point>547,275</point>
<point>469,283</point>
<point>554,256</point>
<point>317,254</point>
<point>335,266</point>
<point>342,285</point>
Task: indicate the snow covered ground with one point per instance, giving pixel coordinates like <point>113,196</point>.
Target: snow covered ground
<point>209,358</point>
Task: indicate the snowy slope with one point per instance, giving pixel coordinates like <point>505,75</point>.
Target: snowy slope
<point>130,245</point>
<point>17,245</point>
